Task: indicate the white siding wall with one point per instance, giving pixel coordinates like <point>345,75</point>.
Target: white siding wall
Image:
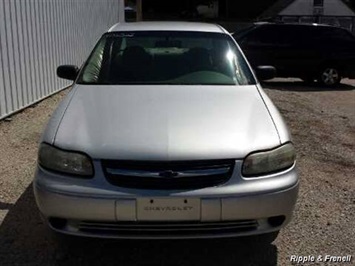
<point>305,8</point>
<point>38,35</point>
<point>298,7</point>
<point>336,8</point>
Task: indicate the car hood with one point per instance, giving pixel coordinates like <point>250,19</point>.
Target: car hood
<point>166,122</point>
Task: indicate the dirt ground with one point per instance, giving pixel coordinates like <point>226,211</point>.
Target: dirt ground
<point>322,122</point>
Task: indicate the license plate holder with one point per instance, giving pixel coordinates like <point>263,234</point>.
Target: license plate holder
<point>168,209</point>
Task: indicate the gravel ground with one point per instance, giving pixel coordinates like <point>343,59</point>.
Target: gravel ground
<point>323,126</point>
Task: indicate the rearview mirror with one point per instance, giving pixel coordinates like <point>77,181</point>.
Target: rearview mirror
<point>265,72</point>
<point>68,72</point>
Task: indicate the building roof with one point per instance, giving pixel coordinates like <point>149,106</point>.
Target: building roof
<point>276,8</point>
<point>349,4</point>
<point>280,5</point>
<point>167,26</point>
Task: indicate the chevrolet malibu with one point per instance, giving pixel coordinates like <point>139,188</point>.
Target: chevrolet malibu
<point>166,133</point>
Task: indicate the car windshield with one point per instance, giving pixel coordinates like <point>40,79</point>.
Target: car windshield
<point>176,58</point>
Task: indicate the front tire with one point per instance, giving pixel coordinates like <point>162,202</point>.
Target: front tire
<point>330,76</point>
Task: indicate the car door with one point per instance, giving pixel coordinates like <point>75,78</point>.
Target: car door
<point>295,55</point>
<point>259,45</point>
<point>337,44</point>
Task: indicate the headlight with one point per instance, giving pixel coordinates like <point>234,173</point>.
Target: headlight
<point>267,162</point>
<point>66,162</point>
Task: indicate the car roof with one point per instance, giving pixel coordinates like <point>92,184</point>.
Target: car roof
<point>167,26</point>
<point>293,24</point>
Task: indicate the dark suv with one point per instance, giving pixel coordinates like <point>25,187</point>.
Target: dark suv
<point>307,51</point>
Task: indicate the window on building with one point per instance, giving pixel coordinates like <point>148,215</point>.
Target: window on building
<point>318,3</point>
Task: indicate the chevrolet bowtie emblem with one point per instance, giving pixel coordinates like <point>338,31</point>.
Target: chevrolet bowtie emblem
<point>168,174</point>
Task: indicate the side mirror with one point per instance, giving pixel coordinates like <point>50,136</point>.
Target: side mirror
<point>68,72</point>
<point>265,72</point>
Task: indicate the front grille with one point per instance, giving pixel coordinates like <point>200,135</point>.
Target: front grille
<point>140,229</point>
<point>168,175</point>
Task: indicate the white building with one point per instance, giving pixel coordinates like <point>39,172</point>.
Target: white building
<point>335,12</point>
<point>36,36</point>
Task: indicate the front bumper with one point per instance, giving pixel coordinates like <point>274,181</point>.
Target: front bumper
<point>94,209</point>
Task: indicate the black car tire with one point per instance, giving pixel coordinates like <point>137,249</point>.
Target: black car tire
<point>330,76</point>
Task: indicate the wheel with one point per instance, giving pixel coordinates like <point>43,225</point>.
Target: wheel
<point>330,76</point>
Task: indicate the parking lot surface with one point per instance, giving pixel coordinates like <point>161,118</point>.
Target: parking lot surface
<point>322,122</point>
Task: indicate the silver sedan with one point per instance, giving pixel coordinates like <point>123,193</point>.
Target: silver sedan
<point>166,133</point>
